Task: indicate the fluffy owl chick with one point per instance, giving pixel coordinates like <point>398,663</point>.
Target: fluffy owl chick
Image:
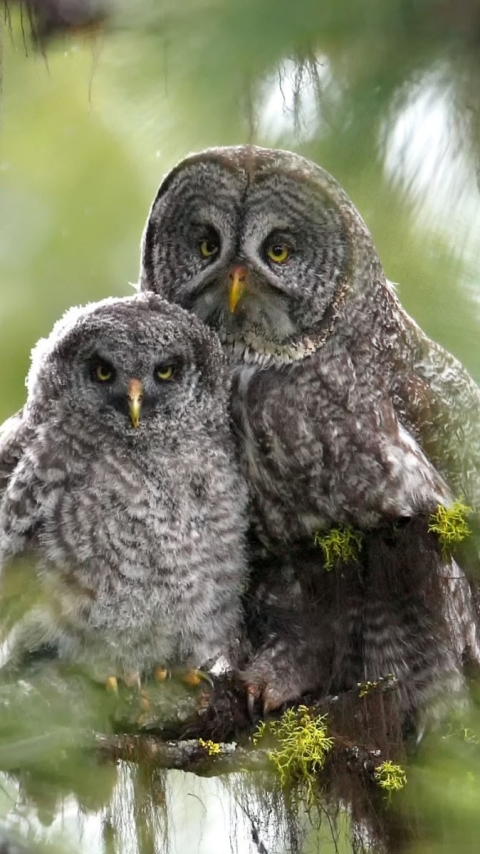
<point>347,415</point>
<point>125,509</point>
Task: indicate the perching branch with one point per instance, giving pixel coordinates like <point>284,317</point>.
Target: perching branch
<point>199,731</point>
<point>205,759</point>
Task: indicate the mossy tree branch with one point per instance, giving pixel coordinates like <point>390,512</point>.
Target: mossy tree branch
<point>210,733</point>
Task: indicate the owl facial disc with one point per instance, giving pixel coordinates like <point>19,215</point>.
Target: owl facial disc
<point>257,244</point>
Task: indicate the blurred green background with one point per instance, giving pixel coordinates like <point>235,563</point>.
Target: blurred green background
<point>384,95</point>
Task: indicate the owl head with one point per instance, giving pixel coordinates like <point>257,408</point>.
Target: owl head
<point>131,364</point>
<point>262,245</point>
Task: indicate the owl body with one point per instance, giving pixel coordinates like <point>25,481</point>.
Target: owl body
<point>346,414</point>
<point>133,535</point>
<point>321,450</point>
<point>323,447</point>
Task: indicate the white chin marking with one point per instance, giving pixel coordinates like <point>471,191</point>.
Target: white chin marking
<point>250,348</point>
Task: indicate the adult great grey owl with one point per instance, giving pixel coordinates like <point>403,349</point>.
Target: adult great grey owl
<point>124,506</point>
<point>346,415</point>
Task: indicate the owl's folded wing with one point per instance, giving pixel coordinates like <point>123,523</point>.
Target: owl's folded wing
<point>21,513</point>
<point>20,504</point>
<point>439,403</point>
<point>13,435</point>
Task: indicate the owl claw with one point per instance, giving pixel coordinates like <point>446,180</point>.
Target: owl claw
<point>271,702</point>
<point>191,677</point>
<point>161,674</point>
<point>252,697</point>
<point>194,677</point>
<point>144,702</point>
<point>112,684</point>
<point>132,680</point>
<point>270,690</point>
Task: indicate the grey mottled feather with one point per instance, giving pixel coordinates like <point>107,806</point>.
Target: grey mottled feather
<point>13,435</point>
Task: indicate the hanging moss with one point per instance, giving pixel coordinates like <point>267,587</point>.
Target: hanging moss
<point>450,525</point>
<point>339,545</point>
<point>302,746</point>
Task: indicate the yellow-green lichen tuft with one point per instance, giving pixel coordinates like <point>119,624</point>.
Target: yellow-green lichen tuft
<point>212,747</point>
<point>450,524</point>
<point>390,777</point>
<point>339,545</point>
<point>384,683</point>
<point>302,745</point>
<point>261,730</point>
<point>365,688</point>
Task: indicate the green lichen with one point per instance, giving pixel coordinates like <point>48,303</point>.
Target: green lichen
<point>384,683</point>
<point>390,777</point>
<point>260,732</point>
<point>339,545</point>
<point>365,688</point>
<point>302,746</point>
<point>450,525</point>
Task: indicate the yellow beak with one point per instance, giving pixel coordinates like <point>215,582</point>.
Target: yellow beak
<point>135,398</point>
<point>237,287</point>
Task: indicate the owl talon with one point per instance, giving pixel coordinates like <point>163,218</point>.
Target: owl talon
<point>270,686</point>
<point>252,697</point>
<point>194,677</point>
<point>132,680</point>
<point>145,704</point>
<point>270,704</point>
<point>255,696</point>
<point>112,684</point>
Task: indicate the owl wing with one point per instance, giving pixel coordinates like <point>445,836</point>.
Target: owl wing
<point>13,439</point>
<point>22,497</point>
<point>22,493</point>
<point>439,403</point>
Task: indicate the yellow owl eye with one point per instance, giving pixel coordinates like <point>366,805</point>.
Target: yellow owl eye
<point>164,372</point>
<point>208,248</point>
<point>103,373</point>
<point>278,252</point>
